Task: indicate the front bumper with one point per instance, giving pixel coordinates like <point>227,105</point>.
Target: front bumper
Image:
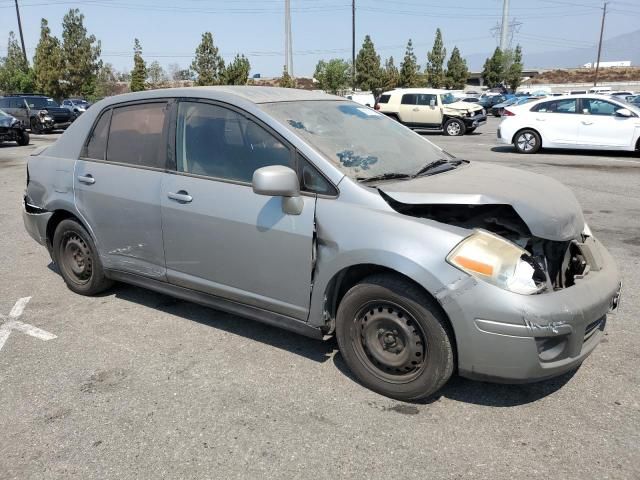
<point>503,336</point>
<point>35,221</point>
<point>475,121</point>
<point>10,134</point>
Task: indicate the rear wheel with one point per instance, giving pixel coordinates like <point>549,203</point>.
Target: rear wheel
<point>527,141</point>
<point>23,138</point>
<point>77,258</point>
<point>394,338</point>
<point>454,127</point>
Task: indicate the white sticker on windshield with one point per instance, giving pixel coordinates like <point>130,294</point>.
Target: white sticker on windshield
<point>368,111</point>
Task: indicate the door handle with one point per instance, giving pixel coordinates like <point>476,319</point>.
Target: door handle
<point>88,179</point>
<point>540,119</point>
<point>181,196</point>
<point>587,123</point>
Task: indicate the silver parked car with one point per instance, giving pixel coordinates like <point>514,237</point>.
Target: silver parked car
<point>322,216</point>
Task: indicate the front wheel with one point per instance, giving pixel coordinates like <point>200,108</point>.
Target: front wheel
<point>394,338</point>
<point>23,138</point>
<point>77,258</point>
<point>454,127</point>
<point>527,141</point>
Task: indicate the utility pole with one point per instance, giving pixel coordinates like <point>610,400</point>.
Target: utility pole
<point>286,35</point>
<point>604,14</point>
<point>290,40</point>
<point>353,44</point>
<point>504,31</point>
<point>24,50</point>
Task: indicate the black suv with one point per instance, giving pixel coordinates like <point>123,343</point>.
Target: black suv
<point>39,112</point>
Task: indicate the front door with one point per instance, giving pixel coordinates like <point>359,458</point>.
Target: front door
<point>601,127</point>
<point>220,237</point>
<point>428,112</point>
<point>117,187</point>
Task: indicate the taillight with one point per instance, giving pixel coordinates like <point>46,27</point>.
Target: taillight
<point>376,106</point>
<point>508,113</point>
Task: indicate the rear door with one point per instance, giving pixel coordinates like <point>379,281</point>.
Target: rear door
<point>558,121</point>
<point>117,186</point>
<point>408,107</point>
<point>220,237</point>
<point>427,111</point>
<point>601,127</point>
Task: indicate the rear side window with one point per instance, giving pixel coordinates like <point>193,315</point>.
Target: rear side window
<point>97,144</point>
<point>135,136</point>
<point>384,98</point>
<point>218,142</point>
<point>557,106</point>
<point>408,99</point>
<point>4,103</point>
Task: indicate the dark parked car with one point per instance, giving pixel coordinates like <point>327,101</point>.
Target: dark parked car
<point>12,130</point>
<point>38,112</point>
<point>490,100</point>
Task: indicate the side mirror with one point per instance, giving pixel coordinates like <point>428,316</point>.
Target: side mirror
<point>624,112</point>
<point>279,181</point>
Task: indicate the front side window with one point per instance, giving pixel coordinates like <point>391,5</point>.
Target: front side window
<point>595,106</point>
<point>217,142</point>
<point>41,102</point>
<point>557,106</point>
<point>135,136</point>
<point>384,98</point>
<point>426,99</point>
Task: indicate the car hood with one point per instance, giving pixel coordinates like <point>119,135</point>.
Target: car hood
<point>7,121</point>
<point>549,209</point>
<point>466,106</point>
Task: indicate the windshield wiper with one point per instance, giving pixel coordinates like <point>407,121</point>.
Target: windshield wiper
<point>384,176</point>
<point>437,163</point>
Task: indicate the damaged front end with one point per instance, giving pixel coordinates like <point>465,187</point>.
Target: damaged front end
<point>503,251</point>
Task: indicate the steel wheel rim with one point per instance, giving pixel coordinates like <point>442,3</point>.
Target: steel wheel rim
<point>526,142</point>
<point>76,258</point>
<point>389,342</point>
<point>453,128</point>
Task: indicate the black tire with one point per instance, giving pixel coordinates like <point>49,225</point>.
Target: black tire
<point>35,126</point>
<point>453,127</point>
<point>23,138</point>
<point>76,255</point>
<point>527,141</point>
<point>394,338</point>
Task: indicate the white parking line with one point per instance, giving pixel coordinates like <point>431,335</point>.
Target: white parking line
<point>14,324</point>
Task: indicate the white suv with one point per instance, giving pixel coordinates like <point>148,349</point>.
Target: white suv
<point>575,121</point>
<point>431,109</point>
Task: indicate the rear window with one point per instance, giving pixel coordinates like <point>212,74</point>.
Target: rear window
<point>97,143</point>
<point>384,98</point>
<point>135,136</point>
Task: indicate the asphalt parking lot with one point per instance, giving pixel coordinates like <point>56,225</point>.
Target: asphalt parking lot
<point>139,385</point>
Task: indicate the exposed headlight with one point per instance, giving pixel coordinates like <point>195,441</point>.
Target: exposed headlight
<point>42,113</point>
<point>48,118</point>
<point>495,260</point>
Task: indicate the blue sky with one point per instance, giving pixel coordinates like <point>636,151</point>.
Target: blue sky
<point>170,30</point>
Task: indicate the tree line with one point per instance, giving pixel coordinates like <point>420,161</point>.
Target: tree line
<point>72,66</point>
<point>501,69</point>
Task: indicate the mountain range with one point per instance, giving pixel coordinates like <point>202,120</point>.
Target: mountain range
<point>620,47</point>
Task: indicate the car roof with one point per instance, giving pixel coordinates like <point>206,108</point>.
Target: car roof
<point>416,90</point>
<point>252,94</point>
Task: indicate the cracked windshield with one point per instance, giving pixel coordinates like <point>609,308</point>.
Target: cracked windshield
<point>359,140</point>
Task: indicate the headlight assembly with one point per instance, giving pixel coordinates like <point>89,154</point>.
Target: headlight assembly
<point>495,260</point>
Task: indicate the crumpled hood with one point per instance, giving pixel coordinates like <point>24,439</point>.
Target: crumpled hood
<point>7,121</point>
<point>549,209</point>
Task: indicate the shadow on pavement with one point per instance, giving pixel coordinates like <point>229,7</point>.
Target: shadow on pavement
<point>566,151</point>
